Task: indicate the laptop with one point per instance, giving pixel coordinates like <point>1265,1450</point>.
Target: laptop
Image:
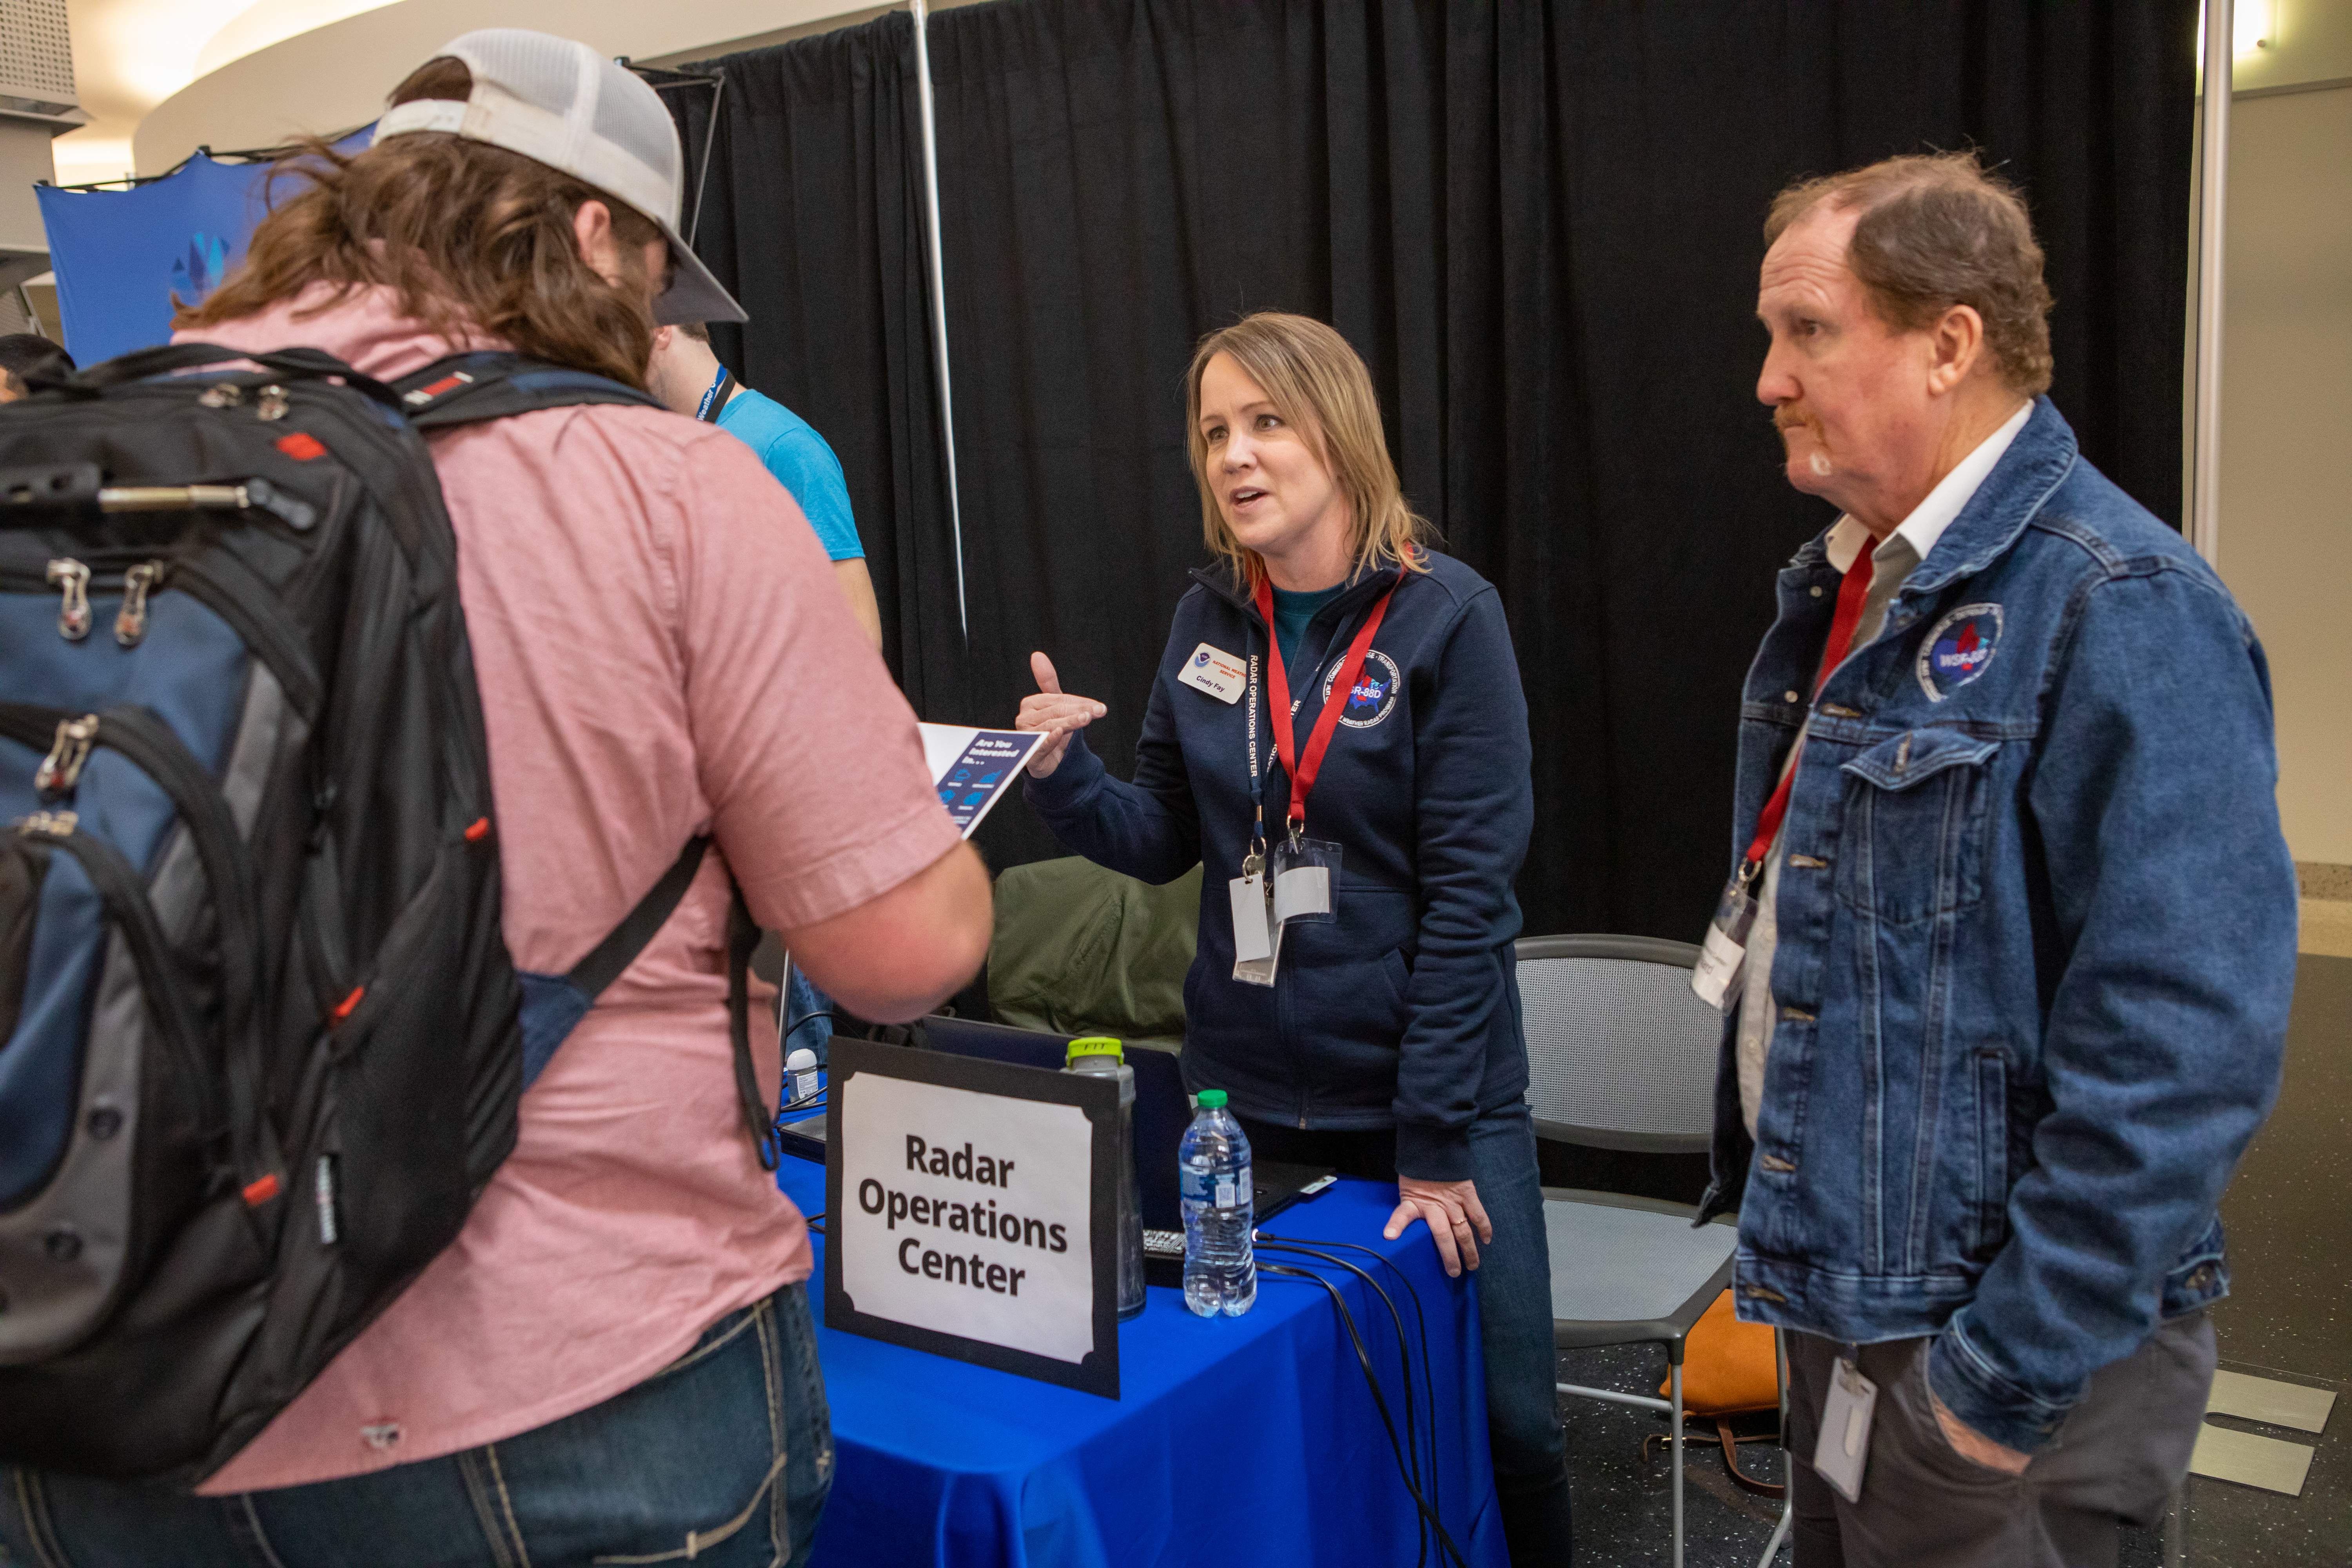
<point>1162,1111</point>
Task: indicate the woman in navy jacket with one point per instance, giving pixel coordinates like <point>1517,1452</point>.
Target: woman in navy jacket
<point>1389,1045</point>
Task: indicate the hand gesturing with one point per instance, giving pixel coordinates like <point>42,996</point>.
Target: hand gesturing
<point>1054,712</point>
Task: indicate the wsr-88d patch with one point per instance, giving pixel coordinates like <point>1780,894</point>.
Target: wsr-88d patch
<point>1957,650</point>
<point>1374,696</point>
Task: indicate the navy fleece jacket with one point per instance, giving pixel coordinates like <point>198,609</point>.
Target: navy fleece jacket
<point>1404,1011</point>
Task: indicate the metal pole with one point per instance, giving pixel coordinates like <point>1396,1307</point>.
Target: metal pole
<point>709,140</point>
<point>1674,1375</point>
<point>939,289</point>
<point>2212,171</point>
<point>1788,1457</point>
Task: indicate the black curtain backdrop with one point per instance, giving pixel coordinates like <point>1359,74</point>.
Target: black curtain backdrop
<point>1539,223</point>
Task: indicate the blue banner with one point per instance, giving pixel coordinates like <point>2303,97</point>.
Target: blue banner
<point>122,255</point>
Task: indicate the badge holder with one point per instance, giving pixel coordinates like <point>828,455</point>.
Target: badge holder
<point>1723,959</point>
<point>1843,1448</point>
<point>1305,871</point>
<point>1299,893</point>
<point>1257,936</point>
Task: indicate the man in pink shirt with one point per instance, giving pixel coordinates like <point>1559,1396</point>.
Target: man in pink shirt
<point>615,1360</point>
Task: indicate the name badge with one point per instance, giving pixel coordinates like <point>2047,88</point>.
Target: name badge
<point>1257,936</point>
<point>1303,873</point>
<point>1723,960</point>
<point>1216,672</point>
<point>1842,1450</point>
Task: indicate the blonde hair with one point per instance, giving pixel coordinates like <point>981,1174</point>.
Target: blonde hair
<point>1319,387</point>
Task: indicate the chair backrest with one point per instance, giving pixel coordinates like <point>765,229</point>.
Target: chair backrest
<point>1621,1053</point>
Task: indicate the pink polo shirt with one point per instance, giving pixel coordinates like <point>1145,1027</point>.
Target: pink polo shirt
<point>661,651</point>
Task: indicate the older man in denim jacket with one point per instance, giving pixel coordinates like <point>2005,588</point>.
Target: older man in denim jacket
<point>2016,990</point>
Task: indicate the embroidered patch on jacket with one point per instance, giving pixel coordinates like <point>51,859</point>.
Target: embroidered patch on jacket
<point>1374,695</point>
<point>1957,650</point>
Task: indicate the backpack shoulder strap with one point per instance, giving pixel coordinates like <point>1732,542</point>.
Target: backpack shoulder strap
<point>592,973</point>
<point>470,388</point>
<point>590,976</point>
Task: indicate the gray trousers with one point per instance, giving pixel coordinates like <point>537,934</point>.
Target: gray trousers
<point>2118,1455</point>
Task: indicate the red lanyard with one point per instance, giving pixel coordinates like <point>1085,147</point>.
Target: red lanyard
<point>1303,769</point>
<point>1851,591</point>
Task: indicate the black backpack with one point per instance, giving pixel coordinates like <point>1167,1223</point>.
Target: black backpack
<point>260,1040</point>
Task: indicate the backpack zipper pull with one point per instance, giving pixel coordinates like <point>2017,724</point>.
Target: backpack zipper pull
<point>130,621</point>
<point>61,769</point>
<point>73,615</point>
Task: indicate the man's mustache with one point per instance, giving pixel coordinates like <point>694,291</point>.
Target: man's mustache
<point>1793,417</point>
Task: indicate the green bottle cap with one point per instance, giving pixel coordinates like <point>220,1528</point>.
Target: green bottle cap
<point>1212,1099</point>
<point>1095,1046</point>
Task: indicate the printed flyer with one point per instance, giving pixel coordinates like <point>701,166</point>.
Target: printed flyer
<point>974,768</point>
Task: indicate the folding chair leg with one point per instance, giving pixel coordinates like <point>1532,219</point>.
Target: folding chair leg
<point>1779,1533</point>
<point>1674,1375</point>
<point>1787,1460</point>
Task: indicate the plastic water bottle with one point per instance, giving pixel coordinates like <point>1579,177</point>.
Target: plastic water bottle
<point>1213,1167</point>
<point>800,1076</point>
<point>1101,1056</point>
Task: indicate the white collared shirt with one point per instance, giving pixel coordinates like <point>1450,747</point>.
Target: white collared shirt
<point>1932,516</point>
<point>1897,556</point>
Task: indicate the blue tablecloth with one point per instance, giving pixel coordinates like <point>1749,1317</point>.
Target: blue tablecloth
<point>1247,1440</point>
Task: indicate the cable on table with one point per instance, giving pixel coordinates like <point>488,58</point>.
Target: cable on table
<point>1380,1400</point>
<point>1420,1324</point>
<point>1404,1365</point>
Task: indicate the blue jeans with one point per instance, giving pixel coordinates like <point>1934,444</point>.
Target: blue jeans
<point>724,1457</point>
<point>1515,1316</point>
<point>807,1018</point>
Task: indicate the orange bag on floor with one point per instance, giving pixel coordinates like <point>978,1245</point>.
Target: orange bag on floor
<point>1728,1369</point>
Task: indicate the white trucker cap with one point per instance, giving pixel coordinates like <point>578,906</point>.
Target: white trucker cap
<point>568,107</point>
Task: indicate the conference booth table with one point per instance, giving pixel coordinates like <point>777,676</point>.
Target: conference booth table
<point>1249,1441</point>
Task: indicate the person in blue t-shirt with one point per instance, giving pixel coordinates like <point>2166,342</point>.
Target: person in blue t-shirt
<point>685,375</point>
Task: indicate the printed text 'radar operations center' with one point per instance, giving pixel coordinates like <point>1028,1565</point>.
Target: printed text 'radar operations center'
<point>964,1216</point>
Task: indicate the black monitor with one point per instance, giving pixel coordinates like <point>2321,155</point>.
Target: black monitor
<point>1162,1108</point>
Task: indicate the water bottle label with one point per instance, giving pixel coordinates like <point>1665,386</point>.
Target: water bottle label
<point>1220,1189</point>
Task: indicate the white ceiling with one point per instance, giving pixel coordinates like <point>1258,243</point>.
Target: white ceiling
<point>131,55</point>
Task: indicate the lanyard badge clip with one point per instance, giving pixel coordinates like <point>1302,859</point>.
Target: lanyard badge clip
<point>1722,956</point>
<point>1257,940</point>
<point>1302,870</point>
<point>1254,862</point>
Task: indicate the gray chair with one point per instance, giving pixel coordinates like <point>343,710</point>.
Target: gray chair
<point>1622,1055</point>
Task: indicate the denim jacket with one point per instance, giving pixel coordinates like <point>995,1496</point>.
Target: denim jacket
<point>2037,940</point>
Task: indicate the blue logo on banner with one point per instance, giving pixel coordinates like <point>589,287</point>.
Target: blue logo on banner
<point>120,254</point>
<point>1958,649</point>
<point>193,275</point>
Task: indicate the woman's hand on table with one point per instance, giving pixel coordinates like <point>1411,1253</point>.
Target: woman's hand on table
<point>1456,1219</point>
<point>1057,713</point>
